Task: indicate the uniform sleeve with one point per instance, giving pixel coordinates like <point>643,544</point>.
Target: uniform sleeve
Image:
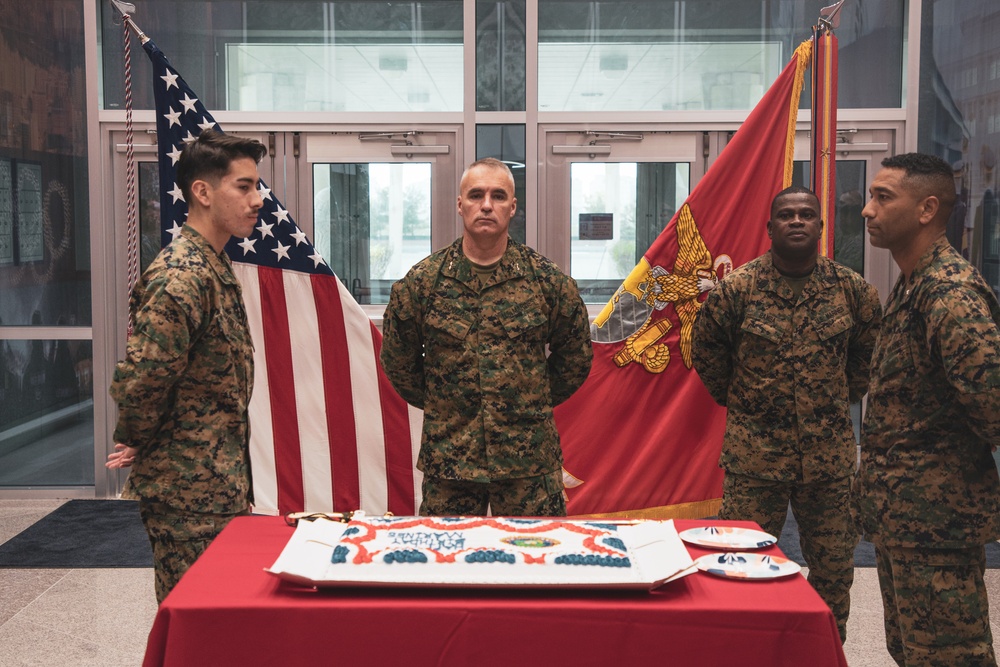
<point>156,356</point>
<point>402,353</point>
<point>712,345</point>
<point>570,350</point>
<point>867,321</point>
<point>962,331</point>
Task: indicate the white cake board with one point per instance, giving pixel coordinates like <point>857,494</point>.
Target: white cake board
<point>657,556</point>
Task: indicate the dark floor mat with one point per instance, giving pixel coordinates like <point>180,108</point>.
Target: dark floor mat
<point>82,534</point>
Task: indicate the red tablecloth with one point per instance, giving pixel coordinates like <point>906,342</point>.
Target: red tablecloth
<point>228,611</point>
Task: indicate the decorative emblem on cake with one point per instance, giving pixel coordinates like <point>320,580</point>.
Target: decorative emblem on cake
<point>527,542</point>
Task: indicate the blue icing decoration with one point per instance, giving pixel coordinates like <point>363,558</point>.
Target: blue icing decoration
<point>490,556</point>
<point>615,543</point>
<point>591,559</point>
<point>339,555</point>
<point>353,530</point>
<point>604,526</point>
<point>405,556</point>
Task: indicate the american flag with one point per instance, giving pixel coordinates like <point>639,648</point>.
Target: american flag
<point>328,432</point>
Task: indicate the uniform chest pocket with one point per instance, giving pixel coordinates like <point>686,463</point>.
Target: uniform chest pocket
<point>759,324</point>
<point>834,326</point>
<point>233,327</point>
<point>524,321</point>
<point>449,324</point>
<point>897,358</point>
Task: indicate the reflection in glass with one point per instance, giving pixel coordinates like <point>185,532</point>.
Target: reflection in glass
<point>44,183</point>
<point>354,77</point>
<point>302,55</point>
<point>373,222</point>
<point>506,143</point>
<point>849,225</point>
<point>46,413</point>
<point>655,55</point>
<point>960,107</point>
<point>500,55</point>
<point>149,213</point>
<point>617,210</point>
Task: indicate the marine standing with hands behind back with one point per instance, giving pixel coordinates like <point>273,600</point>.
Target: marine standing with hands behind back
<point>486,336</point>
<point>784,342</point>
<point>927,492</point>
<point>183,390</point>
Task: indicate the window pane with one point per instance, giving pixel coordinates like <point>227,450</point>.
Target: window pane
<point>46,413</point>
<point>149,213</point>
<point>849,225</point>
<point>959,119</point>
<point>44,203</point>
<point>299,56</point>
<point>617,211</point>
<point>650,55</point>
<point>500,56</point>
<point>506,143</point>
<point>373,222</point>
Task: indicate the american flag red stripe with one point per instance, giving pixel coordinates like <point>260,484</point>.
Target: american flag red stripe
<point>339,414</point>
<point>281,386</point>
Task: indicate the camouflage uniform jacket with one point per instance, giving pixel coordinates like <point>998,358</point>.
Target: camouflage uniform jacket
<point>184,388</point>
<point>475,361</point>
<point>787,370</point>
<point>927,477</point>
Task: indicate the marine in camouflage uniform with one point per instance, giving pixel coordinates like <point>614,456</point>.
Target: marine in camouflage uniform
<point>486,353</point>
<point>927,492</point>
<point>183,391</point>
<point>788,366</point>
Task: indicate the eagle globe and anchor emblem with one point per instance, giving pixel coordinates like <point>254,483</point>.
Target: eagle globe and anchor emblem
<point>628,316</point>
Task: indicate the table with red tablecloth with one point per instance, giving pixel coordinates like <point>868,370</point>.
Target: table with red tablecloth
<point>228,611</point>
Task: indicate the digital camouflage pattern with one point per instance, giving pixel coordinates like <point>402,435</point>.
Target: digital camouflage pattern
<point>474,359</point>
<point>786,369</point>
<point>827,536</point>
<point>541,495</point>
<point>178,539</point>
<point>927,475</point>
<point>183,390</point>
<point>936,606</point>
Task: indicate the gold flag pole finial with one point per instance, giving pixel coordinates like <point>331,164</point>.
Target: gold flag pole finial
<point>829,17</point>
<point>127,9</point>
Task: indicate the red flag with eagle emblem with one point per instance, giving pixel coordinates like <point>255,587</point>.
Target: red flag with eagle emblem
<point>642,437</point>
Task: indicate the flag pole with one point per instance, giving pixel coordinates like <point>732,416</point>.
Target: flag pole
<point>823,111</point>
<point>127,9</point>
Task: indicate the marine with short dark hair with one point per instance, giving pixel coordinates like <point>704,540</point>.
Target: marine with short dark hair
<point>784,342</point>
<point>927,493</point>
<point>183,390</point>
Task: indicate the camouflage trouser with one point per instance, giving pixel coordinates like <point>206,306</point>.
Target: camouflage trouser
<point>178,537</point>
<point>935,606</point>
<point>529,496</point>
<point>826,532</point>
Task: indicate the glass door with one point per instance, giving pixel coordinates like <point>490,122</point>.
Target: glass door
<point>615,191</point>
<point>378,202</point>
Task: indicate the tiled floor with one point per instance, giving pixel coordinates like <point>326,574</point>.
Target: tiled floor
<point>102,616</point>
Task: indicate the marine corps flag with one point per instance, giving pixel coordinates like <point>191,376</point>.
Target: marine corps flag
<point>328,432</point>
<point>642,437</point>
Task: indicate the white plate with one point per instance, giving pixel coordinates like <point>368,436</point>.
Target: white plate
<point>728,537</point>
<point>740,565</point>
